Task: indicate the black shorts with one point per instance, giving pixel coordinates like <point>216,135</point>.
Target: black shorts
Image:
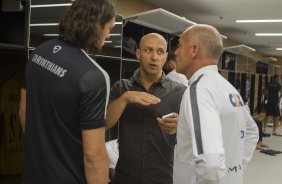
<point>272,109</point>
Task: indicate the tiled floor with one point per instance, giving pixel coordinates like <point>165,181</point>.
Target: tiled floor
<point>263,169</point>
<point>266,169</point>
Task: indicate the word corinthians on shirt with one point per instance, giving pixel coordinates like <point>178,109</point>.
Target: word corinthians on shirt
<point>48,65</point>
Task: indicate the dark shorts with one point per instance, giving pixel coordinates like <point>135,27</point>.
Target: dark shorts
<point>272,109</point>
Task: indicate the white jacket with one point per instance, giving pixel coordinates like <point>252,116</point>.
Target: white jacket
<point>178,77</point>
<point>216,136</point>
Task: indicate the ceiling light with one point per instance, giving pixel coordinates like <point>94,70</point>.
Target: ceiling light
<point>278,48</point>
<point>223,36</point>
<point>50,5</point>
<point>239,49</point>
<point>268,34</point>
<point>45,24</point>
<point>55,24</point>
<point>259,21</point>
<point>108,41</point>
<point>50,34</point>
<point>117,23</point>
<point>268,59</point>
<point>115,34</point>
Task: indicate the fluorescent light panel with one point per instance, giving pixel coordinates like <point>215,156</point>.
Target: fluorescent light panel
<point>259,21</point>
<point>44,24</point>
<point>50,5</point>
<point>50,34</point>
<point>115,34</point>
<point>223,36</point>
<point>268,34</point>
<point>267,59</point>
<point>55,24</point>
<point>278,48</point>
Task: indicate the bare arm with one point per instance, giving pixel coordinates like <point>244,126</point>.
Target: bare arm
<point>95,156</point>
<point>22,109</point>
<point>116,108</point>
<point>112,174</point>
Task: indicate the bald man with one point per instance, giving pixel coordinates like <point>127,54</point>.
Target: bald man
<point>216,136</point>
<point>146,140</point>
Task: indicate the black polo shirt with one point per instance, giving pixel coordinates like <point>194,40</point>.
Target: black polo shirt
<point>273,90</point>
<point>145,150</point>
<point>67,92</point>
<point>272,106</point>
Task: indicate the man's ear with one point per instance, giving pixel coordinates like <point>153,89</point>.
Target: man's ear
<point>195,50</point>
<point>171,64</point>
<point>137,54</point>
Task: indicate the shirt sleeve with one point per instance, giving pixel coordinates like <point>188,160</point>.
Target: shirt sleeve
<point>23,82</point>
<point>93,100</point>
<point>252,137</point>
<point>115,91</point>
<point>209,156</point>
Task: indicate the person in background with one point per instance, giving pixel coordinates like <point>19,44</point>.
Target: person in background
<point>169,68</point>
<point>216,135</point>
<point>258,119</point>
<point>273,91</point>
<point>146,140</point>
<point>113,154</point>
<point>64,98</point>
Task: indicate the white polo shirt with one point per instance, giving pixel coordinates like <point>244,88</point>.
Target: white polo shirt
<point>113,153</point>
<point>216,135</point>
<point>178,77</point>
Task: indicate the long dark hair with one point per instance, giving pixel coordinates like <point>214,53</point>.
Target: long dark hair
<point>83,22</point>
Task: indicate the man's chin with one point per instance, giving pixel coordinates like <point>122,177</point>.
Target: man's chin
<point>153,71</point>
<point>179,71</point>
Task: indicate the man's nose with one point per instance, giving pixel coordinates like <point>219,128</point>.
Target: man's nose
<point>154,55</point>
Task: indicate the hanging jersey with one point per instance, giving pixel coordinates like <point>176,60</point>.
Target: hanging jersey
<point>11,151</point>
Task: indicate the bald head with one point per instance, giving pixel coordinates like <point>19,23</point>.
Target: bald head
<point>208,37</point>
<point>152,35</point>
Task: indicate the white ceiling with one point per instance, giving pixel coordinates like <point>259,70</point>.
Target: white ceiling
<point>210,11</point>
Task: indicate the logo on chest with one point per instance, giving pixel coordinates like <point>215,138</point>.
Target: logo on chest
<point>235,100</point>
<point>56,49</point>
